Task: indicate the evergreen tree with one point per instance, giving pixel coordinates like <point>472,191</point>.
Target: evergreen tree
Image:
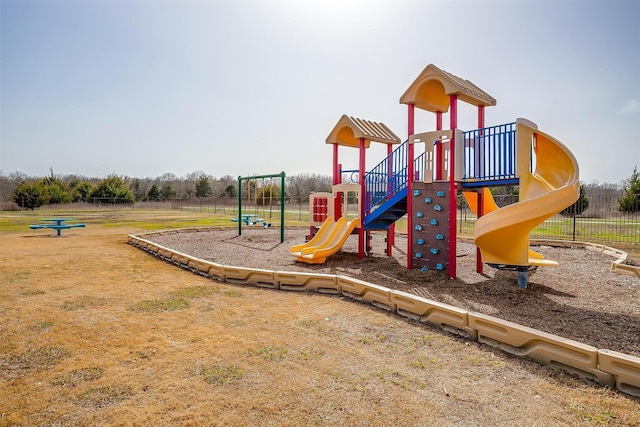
<point>203,187</point>
<point>82,192</point>
<point>29,195</point>
<point>167,192</point>
<point>113,189</point>
<point>630,201</point>
<point>154,193</point>
<point>54,190</point>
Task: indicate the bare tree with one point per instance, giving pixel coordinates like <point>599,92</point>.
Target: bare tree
<point>300,186</point>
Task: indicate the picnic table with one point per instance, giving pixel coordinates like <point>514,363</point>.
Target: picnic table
<point>57,224</point>
<point>251,219</point>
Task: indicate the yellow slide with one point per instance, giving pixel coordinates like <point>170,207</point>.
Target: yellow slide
<point>502,234</point>
<point>489,205</point>
<point>327,241</point>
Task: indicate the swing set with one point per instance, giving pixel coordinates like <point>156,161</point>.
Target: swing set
<point>250,219</point>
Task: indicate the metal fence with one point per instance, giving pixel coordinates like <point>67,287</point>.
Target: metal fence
<point>600,222</point>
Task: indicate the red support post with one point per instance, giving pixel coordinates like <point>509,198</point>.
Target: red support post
<point>361,170</point>
<point>336,166</point>
<point>337,179</point>
<point>453,187</point>
<point>480,207</point>
<point>391,232</point>
<point>410,172</point>
<point>437,160</point>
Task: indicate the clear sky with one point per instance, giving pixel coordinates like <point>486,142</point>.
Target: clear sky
<point>143,88</point>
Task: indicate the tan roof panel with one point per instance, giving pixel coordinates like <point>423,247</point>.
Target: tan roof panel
<point>349,130</point>
<point>431,89</point>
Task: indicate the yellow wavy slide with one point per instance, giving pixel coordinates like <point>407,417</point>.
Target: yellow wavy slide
<point>502,234</point>
<point>327,241</point>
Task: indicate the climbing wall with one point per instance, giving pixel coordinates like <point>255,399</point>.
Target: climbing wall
<point>430,234</point>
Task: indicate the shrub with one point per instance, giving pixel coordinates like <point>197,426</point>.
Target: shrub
<point>29,195</point>
<point>113,189</point>
<point>82,192</point>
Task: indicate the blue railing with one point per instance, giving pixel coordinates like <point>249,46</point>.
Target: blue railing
<point>389,176</point>
<point>490,153</point>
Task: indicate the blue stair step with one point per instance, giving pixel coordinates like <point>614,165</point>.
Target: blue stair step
<point>387,213</point>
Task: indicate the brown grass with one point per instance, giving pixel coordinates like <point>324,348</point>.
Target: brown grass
<point>89,336</point>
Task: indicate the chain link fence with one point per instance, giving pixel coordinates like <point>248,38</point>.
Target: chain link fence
<point>600,222</point>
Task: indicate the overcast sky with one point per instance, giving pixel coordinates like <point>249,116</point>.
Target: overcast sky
<point>143,88</point>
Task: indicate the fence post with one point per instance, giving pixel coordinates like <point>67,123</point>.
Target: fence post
<point>574,222</point>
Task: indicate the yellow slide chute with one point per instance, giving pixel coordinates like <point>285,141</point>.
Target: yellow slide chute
<point>502,234</point>
<point>327,241</point>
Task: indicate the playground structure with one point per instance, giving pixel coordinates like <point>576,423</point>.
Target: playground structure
<point>250,219</point>
<point>425,187</point>
<point>516,153</point>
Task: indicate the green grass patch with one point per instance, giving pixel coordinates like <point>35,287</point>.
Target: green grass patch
<point>594,416</point>
<point>220,375</point>
<point>311,353</point>
<point>431,363</point>
<point>160,305</point>
<point>273,354</point>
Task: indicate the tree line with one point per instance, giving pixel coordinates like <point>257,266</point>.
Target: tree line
<point>28,192</point>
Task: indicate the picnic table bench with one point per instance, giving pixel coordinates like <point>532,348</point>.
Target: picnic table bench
<point>57,224</point>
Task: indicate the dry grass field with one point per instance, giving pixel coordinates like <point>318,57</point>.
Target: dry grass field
<point>96,332</point>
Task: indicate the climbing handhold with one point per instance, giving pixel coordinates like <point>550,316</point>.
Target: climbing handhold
<point>434,222</point>
<point>439,267</point>
<point>440,194</point>
<point>435,251</point>
<point>439,237</point>
<point>416,192</point>
<point>421,241</point>
<point>419,214</point>
<point>437,208</point>
<point>418,255</point>
<point>424,269</point>
<point>418,227</point>
<point>427,200</point>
